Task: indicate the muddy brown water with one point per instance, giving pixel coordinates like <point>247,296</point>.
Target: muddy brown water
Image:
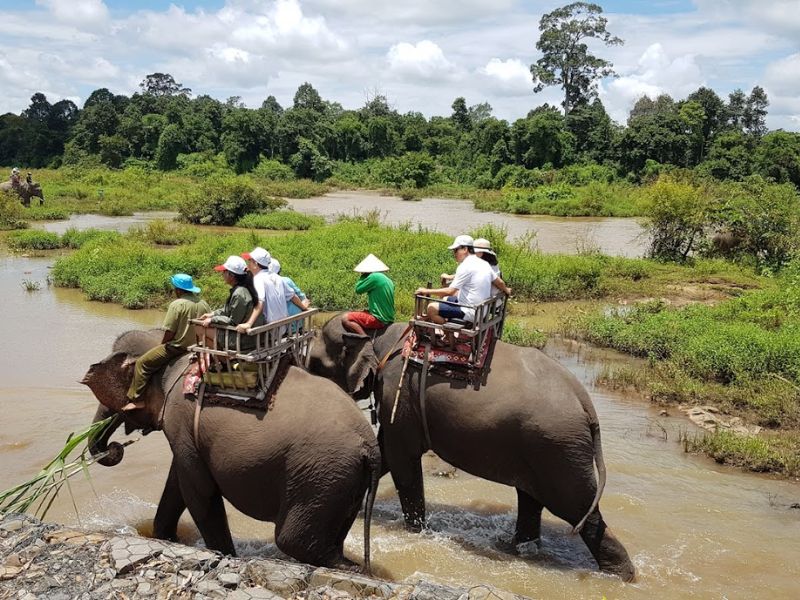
<point>694,529</point>
<point>613,236</point>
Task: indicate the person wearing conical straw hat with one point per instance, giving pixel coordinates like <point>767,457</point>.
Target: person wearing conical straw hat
<point>380,297</point>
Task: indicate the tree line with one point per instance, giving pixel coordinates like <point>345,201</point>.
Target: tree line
<point>162,126</point>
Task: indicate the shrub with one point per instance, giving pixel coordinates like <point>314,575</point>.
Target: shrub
<point>273,170</point>
<point>165,233</point>
<point>678,214</point>
<point>74,238</point>
<point>223,201</point>
<point>280,220</point>
<point>11,212</point>
<point>46,213</point>
<point>34,239</point>
<point>203,164</point>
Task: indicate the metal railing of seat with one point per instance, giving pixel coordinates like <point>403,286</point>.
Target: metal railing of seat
<point>489,318</point>
<point>248,361</point>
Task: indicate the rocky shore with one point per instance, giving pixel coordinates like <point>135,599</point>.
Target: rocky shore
<point>53,562</point>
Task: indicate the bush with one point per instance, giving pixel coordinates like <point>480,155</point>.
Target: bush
<point>273,170</point>
<point>34,239</point>
<point>74,238</point>
<point>11,212</point>
<point>678,214</point>
<point>280,220</point>
<point>165,233</point>
<point>203,164</point>
<point>223,201</point>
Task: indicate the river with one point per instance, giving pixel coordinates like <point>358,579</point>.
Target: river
<point>613,236</point>
<point>694,529</point>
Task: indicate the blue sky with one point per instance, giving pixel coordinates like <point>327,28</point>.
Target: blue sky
<point>420,54</point>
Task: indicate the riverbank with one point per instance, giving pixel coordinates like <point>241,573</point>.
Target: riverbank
<point>44,560</point>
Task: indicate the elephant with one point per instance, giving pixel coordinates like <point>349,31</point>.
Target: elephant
<point>725,242</point>
<point>25,190</point>
<point>304,464</point>
<point>532,426</point>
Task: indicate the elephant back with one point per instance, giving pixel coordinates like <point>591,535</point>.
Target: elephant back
<point>137,342</point>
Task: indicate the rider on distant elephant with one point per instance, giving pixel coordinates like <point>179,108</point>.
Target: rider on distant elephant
<point>15,178</point>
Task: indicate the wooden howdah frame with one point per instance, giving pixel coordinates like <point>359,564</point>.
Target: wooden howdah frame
<point>251,372</point>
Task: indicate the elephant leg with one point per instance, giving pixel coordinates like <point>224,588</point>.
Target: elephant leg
<point>204,501</point>
<point>170,508</point>
<point>407,477</point>
<point>609,553</point>
<point>312,533</point>
<point>529,519</point>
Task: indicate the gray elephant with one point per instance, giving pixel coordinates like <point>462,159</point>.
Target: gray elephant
<point>25,190</point>
<point>532,426</point>
<point>305,464</point>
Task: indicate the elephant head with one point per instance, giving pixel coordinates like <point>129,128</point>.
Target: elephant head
<point>345,358</point>
<point>35,191</point>
<point>109,380</point>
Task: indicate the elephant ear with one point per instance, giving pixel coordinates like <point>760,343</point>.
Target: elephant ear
<point>359,360</point>
<point>109,380</point>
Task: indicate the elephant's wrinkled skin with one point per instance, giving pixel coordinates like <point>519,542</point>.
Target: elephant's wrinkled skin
<point>25,190</point>
<point>532,426</point>
<point>304,465</point>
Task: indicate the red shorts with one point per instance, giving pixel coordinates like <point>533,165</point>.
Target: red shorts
<point>365,319</point>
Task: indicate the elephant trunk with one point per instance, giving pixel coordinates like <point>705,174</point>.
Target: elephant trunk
<point>111,454</point>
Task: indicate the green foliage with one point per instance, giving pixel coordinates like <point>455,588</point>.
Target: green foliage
<point>165,233</point>
<point>203,164</point>
<point>33,239</point>
<point>280,220</point>
<point>518,334</point>
<point>754,453</point>
<point>76,238</point>
<point>677,214</point>
<point>45,213</point>
<point>224,200</point>
<point>12,214</point>
<point>273,170</point>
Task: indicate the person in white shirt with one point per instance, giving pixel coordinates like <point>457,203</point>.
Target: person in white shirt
<point>273,293</point>
<point>483,250</point>
<point>471,285</point>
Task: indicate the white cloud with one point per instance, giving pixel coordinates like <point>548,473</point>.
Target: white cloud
<point>423,61</point>
<point>510,77</point>
<point>80,13</point>
<point>656,73</point>
<point>782,83</point>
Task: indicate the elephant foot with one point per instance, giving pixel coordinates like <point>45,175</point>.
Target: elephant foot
<point>414,526</point>
<point>525,545</point>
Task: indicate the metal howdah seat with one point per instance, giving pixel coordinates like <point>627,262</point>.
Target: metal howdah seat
<point>489,320</point>
<point>249,373</point>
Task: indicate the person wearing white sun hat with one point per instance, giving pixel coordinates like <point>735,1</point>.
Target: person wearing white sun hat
<point>380,297</point>
<point>471,285</point>
<point>483,250</point>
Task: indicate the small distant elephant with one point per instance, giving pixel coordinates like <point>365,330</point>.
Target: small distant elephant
<point>726,241</point>
<point>304,464</point>
<point>25,190</point>
<point>532,426</point>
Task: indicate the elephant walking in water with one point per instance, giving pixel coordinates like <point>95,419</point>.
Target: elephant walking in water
<point>532,426</point>
<point>304,464</point>
<point>25,190</point>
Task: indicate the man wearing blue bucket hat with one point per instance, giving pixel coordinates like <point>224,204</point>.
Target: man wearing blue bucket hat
<point>178,336</point>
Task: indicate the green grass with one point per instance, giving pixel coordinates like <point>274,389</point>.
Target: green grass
<point>283,220</point>
<point>515,332</point>
<point>769,453</point>
<point>33,239</point>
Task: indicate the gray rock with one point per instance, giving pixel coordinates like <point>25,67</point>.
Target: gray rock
<point>254,593</point>
<point>355,585</point>
<point>487,592</point>
<point>145,589</point>
<point>280,577</point>
<point>12,525</point>
<point>229,579</point>
<point>207,586</point>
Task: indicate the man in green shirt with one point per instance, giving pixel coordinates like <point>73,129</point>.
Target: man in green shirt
<point>178,336</point>
<point>380,297</point>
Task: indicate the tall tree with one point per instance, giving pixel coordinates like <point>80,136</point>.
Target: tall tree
<point>755,112</point>
<point>163,84</point>
<point>460,114</point>
<point>737,101</point>
<point>308,97</point>
<point>566,60</point>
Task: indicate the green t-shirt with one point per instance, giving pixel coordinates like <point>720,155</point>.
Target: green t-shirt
<point>177,319</point>
<point>380,295</point>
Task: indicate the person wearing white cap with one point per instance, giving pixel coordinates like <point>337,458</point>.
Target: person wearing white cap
<point>15,177</point>
<point>380,297</point>
<point>471,285</point>
<point>238,307</point>
<point>291,307</point>
<point>483,250</point>
<point>272,292</point>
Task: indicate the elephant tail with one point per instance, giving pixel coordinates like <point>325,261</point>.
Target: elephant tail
<point>373,468</point>
<point>601,475</point>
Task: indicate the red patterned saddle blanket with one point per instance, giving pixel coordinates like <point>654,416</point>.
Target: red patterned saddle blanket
<point>458,355</point>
